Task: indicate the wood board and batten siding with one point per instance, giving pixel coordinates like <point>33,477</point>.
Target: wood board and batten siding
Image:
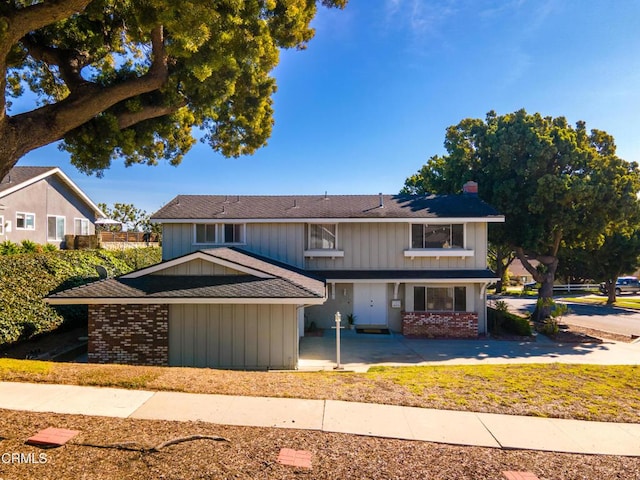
<point>198,267</point>
<point>233,336</point>
<point>382,246</point>
<point>280,241</point>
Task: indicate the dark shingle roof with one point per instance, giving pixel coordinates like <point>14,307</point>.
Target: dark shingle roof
<point>286,281</point>
<point>18,175</point>
<point>157,286</point>
<point>406,274</point>
<point>295,275</point>
<point>203,207</point>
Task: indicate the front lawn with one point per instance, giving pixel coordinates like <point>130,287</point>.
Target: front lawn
<point>621,301</point>
<point>586,392</point>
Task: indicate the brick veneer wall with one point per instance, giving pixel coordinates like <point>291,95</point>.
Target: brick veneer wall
<point>440,324</point>
<point>129,334</point>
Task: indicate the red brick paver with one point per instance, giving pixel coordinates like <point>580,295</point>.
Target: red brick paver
<point>52,437</point>
<point>297,458</point>
<point>520,476</point>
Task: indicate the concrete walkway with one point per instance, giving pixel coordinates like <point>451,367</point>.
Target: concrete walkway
<point>359,352</point>
<point>409,423</point>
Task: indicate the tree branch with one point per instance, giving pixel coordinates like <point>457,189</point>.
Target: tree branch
<point>527,265</point>
<point>70,62</point>
<point>128,119</point>
<point>24,20</point>
<point>50,123</point>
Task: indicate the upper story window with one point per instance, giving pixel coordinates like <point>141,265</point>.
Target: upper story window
<point>81,226</point>
<point>25,221</point>
<point>220,233</point>
<point>322,236</point>
<point>1,224</point>
<point>437,236</point>
<point>55,228</point>
<point>323,241</point>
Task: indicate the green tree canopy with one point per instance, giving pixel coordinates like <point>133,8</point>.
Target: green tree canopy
<point>131,79</point>
<point>556,184</point>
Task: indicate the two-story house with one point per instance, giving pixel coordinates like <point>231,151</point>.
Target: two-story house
<point>242,276</point>
<point>42,204</point>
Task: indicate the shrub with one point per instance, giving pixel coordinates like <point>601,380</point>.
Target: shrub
<point>25,279</point>
<point>9,248</point>
<point>502,321</point>
<point>27,246</point>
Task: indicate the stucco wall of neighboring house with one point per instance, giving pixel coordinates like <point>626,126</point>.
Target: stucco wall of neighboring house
<point>233,336</point>
<point>128,334</point>
<point>280,241</point>
<point>46,197</point>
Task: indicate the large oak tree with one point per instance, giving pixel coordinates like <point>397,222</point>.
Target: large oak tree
<point>556,184</point>
<point>131,78</point>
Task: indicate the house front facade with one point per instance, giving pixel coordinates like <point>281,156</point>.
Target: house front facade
<point>43,205</point>
<point>416,265</point>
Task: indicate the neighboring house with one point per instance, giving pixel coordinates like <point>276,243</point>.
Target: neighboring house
<point>43,205</point>
<point>242,276</point>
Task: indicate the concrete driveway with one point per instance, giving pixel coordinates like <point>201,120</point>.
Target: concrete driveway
<point>361,351</point>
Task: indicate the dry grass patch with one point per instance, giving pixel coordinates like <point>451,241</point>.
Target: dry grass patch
<point>587,392</point>
<point>251,453</point>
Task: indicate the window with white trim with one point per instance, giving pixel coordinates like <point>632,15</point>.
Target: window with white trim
<point>322,236</point>
<point>1,224</point>
<point>437,235</point>
<point>220,233</point>
<point>55,227</point>
<point>25,221</point>
<point>81,226</point>
<point>439,299</point>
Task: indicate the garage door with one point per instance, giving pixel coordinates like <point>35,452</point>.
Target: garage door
<point>233,336</point>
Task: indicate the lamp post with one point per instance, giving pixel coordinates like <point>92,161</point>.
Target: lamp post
<point>338,319</point>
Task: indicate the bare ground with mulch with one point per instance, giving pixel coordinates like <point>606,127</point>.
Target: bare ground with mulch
<point>251,453</point>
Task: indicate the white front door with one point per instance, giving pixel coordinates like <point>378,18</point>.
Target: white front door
<point>370,303</point>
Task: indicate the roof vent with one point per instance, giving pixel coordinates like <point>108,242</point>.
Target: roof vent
<point>326,197</point>
<point>381,205</point>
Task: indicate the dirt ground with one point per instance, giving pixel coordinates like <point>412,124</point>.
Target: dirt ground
<point>251,453</point>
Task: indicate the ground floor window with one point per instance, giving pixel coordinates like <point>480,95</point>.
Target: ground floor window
<point>439,299</point>
<point>81,226</point>
<point>55,228</point>
<point>25,221</point>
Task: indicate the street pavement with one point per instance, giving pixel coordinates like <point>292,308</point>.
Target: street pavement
<point>599,317</point>
<point>409,423</point>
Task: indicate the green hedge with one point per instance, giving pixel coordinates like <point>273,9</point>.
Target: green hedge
<point>500,321</point>
<point>25,279</point>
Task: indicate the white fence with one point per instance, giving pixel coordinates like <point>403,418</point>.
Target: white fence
<point>573,287</point>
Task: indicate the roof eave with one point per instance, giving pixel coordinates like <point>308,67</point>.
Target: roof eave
<point>183,300</point>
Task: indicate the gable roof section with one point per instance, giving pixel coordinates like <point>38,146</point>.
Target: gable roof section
<point>21,177</point>
<point>291,207</point>
<point>263,281</point>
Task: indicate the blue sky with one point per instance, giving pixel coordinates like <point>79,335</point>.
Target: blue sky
<point>369,100</point>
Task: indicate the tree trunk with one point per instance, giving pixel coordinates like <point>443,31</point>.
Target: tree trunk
<point>545,275</point>
<point>611,291</point>
<point>545,294</point>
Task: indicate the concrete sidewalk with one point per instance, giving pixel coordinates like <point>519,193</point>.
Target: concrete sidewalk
<point>409,423</point>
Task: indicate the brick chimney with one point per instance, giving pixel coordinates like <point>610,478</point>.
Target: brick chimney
<point>470,188</point>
